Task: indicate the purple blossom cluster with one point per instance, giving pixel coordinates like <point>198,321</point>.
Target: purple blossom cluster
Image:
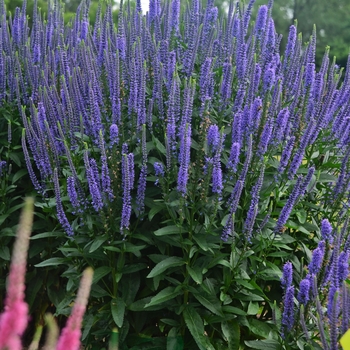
<point>329,269</point>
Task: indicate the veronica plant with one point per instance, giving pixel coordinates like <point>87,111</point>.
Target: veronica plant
<point>187,160</point>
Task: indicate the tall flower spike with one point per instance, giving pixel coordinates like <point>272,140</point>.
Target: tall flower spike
<point>184,159</point>
<point>307,180</point>
<point>62,218</point>
<point>298,157</point>
<point>228,230</point>
<point>71,333</point>
<point>213,138</point>
<point>285,156</point>
<point>261,19</point>
<point>287,276</point>
<point>253,208</point>
<point>292,37</point>
<point>13,321</point>
<point>288,311</point>
<point>72,194</point>
<point>288,207</point>
<point>141,189</point>
<point>345,307</point>
<point>326,230</point>
<point>234,157</point>
<point>175,15</point>
<point>265,138</point>
<point>127,181</point>
<point>316,261</point>
<point>93,182</point>
<point>217,171</point>
<point>113,135</point>
<point>304,290</point>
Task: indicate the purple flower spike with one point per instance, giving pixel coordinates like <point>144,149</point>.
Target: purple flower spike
<point>184,159</point>
<point>141,189</point>
<point>269,78</point>
<point>316,261</point>
<point>113,135</point>
<point>304,289</point>
<point>287,276</point>
<point>213,137</point>
<point>261,21</point>
<point>288,311</point>
<point>234,157</point>
<point>72,193</point>
<point>159,171</point>
<point>343,266</point>
<point>309,76</point>
<point>92,177</point>
<point>175,15</point>
<point>127,183</point>
<point>62,218</point>
<point>326,230</point>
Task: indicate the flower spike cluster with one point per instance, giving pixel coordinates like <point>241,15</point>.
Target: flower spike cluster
<point>208,108</point>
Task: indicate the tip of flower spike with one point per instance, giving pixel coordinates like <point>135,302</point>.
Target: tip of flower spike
<point>23,232</point>
<point>85,286</point>
<point>52,332</point>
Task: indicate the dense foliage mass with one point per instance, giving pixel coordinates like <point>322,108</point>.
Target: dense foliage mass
<point>191,165</point>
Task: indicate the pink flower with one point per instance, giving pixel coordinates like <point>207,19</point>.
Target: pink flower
<point>70,336</point>
<point>13,321</point>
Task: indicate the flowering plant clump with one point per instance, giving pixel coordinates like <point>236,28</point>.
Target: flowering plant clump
<point>187,160</point>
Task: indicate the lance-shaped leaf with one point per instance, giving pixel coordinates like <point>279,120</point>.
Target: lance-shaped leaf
<point>172,261</point>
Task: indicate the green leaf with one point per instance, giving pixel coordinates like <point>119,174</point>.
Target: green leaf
<point>53,262</point>
<point>174,341</point>
<point>48,235</point>
<point>164,295</point>
<point>285,238</point>
<point>172,261</point>
<point>232,333</point>
<point>301,215</point>
<point>3,218</point>
<point>233,310</point>
<point>195,325</point>
<point>14,157</point>
<point>112,249</point>
<point>100,272</point>
<point>139,305</point>
<point>169,230</point>
<point>279,254</point>
<point>324,177</point>
<point>201,241</point>
<point>154,211</point>
<point>134,268</point>
<point>267,344</point>
<point>195,273</point>
<point>97,244</point>
<point>118,311</point>
<point>159,146</point>
<point>5,253</point>
<point>210,302</point>
<point>132,248</point>
<point>259,328</point>
<point>20,173</point>
<point>253,308</point>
